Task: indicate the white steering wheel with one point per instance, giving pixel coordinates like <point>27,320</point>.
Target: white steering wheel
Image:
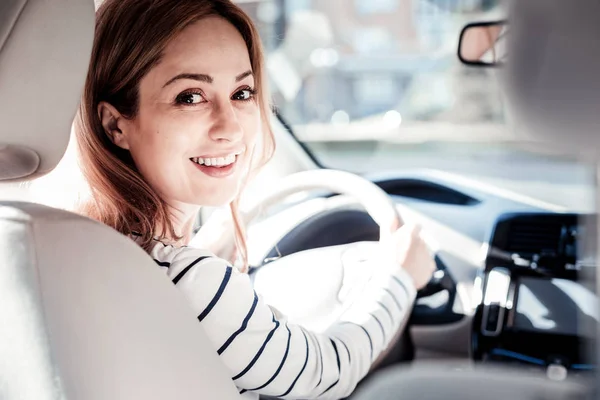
<point>217,233</point>
<point>375,201</point>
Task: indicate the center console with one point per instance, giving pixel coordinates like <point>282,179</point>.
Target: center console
<point>538,306</point>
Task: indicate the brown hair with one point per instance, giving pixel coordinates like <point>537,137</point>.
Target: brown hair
<point>130,38</point>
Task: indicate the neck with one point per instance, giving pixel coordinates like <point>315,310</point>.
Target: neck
<point>183,218</point>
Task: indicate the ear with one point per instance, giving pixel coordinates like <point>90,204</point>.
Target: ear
<point>114,124</point>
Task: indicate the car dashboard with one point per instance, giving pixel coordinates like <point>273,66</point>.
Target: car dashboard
<point>537,304</point>
<point>510,285</point>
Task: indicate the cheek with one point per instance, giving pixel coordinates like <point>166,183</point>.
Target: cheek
<point>169,132</point>
<point>160,143</point>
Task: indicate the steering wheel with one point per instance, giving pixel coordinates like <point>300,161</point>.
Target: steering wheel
<point>217,235</point>
<point>376,202</point>
<point>340,270</point>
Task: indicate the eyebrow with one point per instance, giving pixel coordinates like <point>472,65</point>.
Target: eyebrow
<point>204,77</point>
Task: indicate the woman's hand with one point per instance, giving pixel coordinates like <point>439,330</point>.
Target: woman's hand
<point>412,254</point>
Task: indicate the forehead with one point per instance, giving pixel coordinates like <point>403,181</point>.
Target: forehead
<point>211,46</point>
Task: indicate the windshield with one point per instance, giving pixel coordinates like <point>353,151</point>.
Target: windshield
<point>371,86</point>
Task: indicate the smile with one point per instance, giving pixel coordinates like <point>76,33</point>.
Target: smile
<point>218,162</point>
<point>216,167</point>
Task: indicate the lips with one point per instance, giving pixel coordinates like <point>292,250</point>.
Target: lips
<point>222,168</point>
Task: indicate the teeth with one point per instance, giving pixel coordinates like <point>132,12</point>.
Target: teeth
<point>215,162</point>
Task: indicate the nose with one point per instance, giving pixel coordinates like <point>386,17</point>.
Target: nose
<point>226,126</point>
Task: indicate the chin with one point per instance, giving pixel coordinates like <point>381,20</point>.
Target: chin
<point>215,198</point>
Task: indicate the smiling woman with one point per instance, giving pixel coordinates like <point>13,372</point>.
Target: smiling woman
<point>165,121</point>
<point>174,117</point>
<point>208,116</point>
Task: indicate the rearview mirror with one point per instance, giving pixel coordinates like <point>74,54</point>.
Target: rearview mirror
<point>483,44</point>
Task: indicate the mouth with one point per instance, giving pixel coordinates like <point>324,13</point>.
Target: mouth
<point>216,162</point>
<point>216,167</point>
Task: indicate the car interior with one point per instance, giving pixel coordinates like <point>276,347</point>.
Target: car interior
<point>512,310</point>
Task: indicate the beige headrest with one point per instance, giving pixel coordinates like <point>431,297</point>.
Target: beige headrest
<point>552,73</point>
<point>45,48</point>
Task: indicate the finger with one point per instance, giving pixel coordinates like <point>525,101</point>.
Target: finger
<point>430,242</point>
<point>415,230</point>
<point>408,230</point>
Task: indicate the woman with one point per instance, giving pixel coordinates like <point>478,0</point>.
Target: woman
<point>175,116</point>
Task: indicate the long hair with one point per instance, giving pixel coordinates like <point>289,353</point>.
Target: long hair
<point>130,38</point>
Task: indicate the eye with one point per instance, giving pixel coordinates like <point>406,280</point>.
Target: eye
<point>189,98</point>
<point>244,94</point>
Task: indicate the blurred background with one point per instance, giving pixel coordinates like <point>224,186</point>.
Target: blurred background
<point>376,85</point>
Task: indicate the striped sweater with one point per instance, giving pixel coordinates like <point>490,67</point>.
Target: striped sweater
<point>264,352</point>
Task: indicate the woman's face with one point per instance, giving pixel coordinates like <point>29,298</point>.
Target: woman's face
<point>198,118</point>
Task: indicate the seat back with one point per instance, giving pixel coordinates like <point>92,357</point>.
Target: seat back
<point>84,312</point>
<point>551,75</point>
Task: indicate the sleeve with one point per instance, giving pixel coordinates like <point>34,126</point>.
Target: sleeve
<point>271,356</point>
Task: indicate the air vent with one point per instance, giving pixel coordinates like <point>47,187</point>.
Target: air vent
<point>534,237</point>
<point>426,191</point>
